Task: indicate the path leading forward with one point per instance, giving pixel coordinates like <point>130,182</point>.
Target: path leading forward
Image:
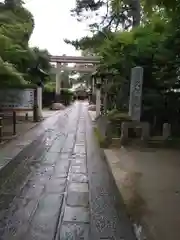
<point>62,188</point>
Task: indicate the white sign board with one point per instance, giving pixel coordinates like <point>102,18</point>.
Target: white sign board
<point>136,93</point>
<point>17,99</point>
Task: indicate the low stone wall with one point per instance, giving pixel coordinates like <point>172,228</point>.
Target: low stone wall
<point>125,132</point>
<point>143,126</point>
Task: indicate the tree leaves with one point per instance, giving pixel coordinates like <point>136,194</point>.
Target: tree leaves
<point>9,75</point>
<point>16,26</point>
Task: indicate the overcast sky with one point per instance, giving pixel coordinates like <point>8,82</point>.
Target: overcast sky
<point>53,23</point>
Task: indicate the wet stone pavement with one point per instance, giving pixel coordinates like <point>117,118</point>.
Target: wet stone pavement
<point>61,188</point>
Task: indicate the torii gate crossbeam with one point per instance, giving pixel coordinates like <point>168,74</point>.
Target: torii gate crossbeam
<point>74,59</point>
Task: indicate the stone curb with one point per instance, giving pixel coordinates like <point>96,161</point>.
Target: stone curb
<point>139,233</point>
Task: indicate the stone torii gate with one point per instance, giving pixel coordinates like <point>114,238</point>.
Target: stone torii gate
<point>83,64</point>
<point>62,61</point>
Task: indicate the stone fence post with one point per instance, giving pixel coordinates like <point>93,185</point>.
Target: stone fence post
<point>166,131</point>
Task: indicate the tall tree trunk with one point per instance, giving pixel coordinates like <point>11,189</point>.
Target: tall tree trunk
<point>136,6</point>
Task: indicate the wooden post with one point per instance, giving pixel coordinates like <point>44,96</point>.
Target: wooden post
<point>35,107</point>
<point>26,116</point>
<point>14,123</point>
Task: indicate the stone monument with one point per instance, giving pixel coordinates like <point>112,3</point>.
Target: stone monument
<point>136,93</point>
<point>135,107</point>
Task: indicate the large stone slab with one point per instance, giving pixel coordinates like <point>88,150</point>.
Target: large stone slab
<point>78,187</point>
<point>78,169</point>
<point>77,214</point>
<point>44,170</point>
<point>50,158</point>
<point>78,156</point>
<point>69,144</point>
<point>71,231</point>
<point>62,166</point>
<point>59,175</point>
<point>78,177</point>
<point>36,235</point>
<point>46,215</point>
<point>37,180</point>
<point>19,215</point>
<point>79,149</point>
<point>78,161</point>
<point>57,145</point>
<point>56,185</point>
<point>32,190</point>
<point>64,156</point>
<point>75,199</point>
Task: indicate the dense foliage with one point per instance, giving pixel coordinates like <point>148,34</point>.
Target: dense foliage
<point>153,43</point>
<point>16,26</point>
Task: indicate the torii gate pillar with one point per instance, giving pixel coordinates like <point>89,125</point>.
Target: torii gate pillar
<point>58,82</point>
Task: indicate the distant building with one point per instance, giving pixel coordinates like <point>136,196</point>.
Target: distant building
<point>81,92</point>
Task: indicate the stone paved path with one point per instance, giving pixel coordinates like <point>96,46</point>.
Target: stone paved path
<point>62,189</point>
<point>22,125</point>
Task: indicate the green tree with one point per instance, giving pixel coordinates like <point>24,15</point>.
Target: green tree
<point>16,26</point>
<point>153,44</point>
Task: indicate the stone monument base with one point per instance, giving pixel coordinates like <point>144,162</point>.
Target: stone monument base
<point>137,126</point>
